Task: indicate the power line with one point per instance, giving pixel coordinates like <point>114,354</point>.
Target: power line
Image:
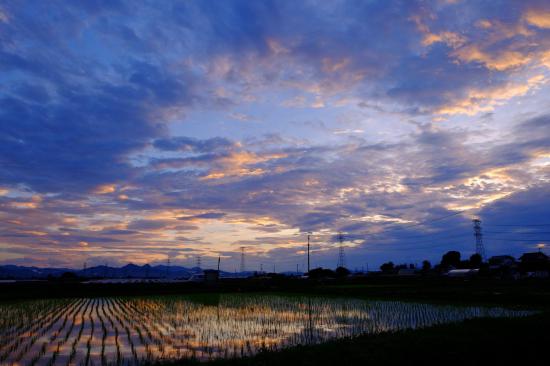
<point>520,225</point>
<point>414,225</point>
<point>518,232</point>
<point>519,240</point>
<point>402,227</point>
<point>436,219</point>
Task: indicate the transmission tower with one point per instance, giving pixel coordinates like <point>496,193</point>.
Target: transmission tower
<point>341,256</point>
<point>242,259</point>
<point>479,238</point>
<point>199,261</point>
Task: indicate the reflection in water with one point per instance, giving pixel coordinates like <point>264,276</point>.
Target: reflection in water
<point>130,330</point>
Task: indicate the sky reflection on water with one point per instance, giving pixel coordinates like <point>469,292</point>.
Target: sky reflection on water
<point>130,330</point>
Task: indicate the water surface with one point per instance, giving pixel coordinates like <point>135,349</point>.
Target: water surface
<point>127,331</point>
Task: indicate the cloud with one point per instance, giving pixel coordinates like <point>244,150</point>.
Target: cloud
<point>538,17</point>
<point>500,61</point>
<point>184,143</point>
<point>127,143</point>
<point>487,99</point>
<point>206,215</point>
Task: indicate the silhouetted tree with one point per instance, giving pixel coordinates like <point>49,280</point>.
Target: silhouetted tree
<point>426,265</point>
<point>321,273</point>
<point>475,260</point>
<point>451,258</point>
<point>387,267</point>
<point>69,277</point>
<point>342,272</point>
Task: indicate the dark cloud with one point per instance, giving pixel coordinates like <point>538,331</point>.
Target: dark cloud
<point>183,143</point>
<point>206,215</point>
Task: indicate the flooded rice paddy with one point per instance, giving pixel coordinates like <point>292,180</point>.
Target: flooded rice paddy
<point>129,331</point>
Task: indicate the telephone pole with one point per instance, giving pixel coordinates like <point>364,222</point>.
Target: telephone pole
<point>242,259</point>
<point>308,235</point>
<point>480,249</point>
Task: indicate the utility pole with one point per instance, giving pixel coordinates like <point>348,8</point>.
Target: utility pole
<point>480,249</point>
<point>242,260</point>
<point>199,261</point>
<point>341,258</point>
<point>308,234</point>
<point>219,259</point>
<point>167,267</point>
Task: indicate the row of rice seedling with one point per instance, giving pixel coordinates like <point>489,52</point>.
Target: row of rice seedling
<point>131,331</point>
<point>21,335</point>
<point>23,321</point>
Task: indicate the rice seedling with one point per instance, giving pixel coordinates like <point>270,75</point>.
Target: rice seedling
<point>130,331</point>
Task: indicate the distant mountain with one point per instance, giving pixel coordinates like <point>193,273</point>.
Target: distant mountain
<point>20,272</point>
<point>128,271</point>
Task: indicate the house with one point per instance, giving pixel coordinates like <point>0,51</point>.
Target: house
<point>499,261</point>
<point>534,262</point>
<point>504,267</point>
<point>534,257</point>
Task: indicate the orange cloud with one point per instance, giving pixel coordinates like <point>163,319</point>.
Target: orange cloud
<point>538,18</point>
<point>502,61</point>
<point>238,164</point>
<point>451,39</point>
<point>545,59</point>
<point>105,189</point>
<point>330,65</point>
<point>486,100</point>
<point>32,204</point>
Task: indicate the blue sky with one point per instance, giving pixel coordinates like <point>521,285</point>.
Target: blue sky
<point>136,131</point>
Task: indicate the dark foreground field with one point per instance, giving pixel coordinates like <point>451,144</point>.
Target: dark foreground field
<point>519,341</point>
<point>474,342</point>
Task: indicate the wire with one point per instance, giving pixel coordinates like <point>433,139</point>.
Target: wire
<point>518,240</point>
<point>517,232</point>
<point>434,220</point>
<point>524,225</point>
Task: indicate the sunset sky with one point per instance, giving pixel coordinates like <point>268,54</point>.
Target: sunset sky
<point>134,131</point>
